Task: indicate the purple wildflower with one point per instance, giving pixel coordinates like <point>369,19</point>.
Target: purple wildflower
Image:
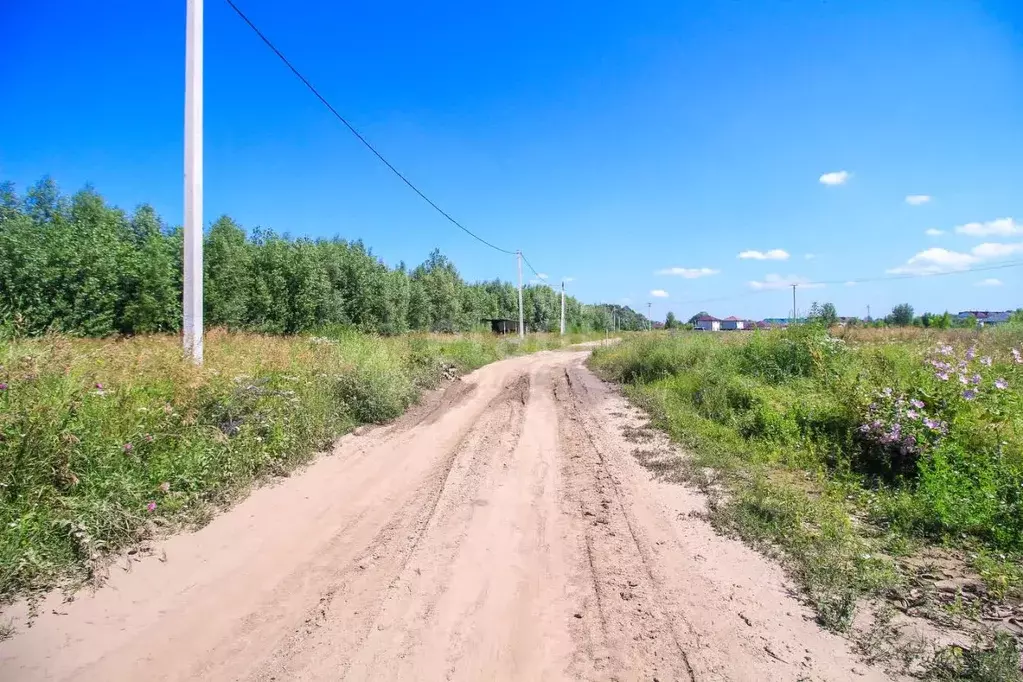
<point>971,352</point>
<point>128,447</point>
<point>986,361</point>
<point>887,392</point>
<point>151,506</point>
<point>912,414</point>
<point>969,394</point>
<point>149,438</point>
<point>945,349</point>
<point>975,379</point>
<point>963,380</point>
<point>918,404</point>
<point>3,386</point>
<point>1001,384</point>
<point>941,375</point>
<point>865,428</point>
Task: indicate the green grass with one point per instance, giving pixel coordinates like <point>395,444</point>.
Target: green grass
<point>103,443</point>
<point>778,418</point>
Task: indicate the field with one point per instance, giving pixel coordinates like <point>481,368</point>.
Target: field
<point>106,442</point>
<point>875,463</point>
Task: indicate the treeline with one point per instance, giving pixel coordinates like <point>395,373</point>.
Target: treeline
<point>80,266</point>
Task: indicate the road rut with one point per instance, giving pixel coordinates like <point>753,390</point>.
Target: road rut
<point>503,530</point>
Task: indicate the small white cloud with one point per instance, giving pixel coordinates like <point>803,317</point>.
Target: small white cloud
<point>659,293</point>
<point>779,282</point>
<point>917,199</point>
<point>809,256</point>
<point>850,283</point>
<point>834,178</point>
<point>773,254</point>
<point>688,273</point>
<point>934,232</point>
<point>934,260</point>
<point>989,282</point>
<point>1002,227</point>
<point>994,250</point>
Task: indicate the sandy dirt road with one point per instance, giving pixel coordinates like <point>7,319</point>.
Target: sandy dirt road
<point>503,530</point>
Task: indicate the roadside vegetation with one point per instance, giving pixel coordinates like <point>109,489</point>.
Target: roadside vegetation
<point>885,464</point>
<point>105,442</point>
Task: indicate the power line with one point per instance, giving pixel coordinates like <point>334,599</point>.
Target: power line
<point>538,275</point>
<point>358,135</point>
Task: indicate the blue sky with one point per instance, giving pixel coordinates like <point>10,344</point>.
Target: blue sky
<point>610,142</point>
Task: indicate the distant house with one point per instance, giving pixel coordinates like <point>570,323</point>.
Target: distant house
<point>732,323</point>
<point>986,318</point>
<point>500,325</point>
<point>708,323</point>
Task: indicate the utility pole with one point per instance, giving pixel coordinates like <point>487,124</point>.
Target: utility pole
<point>793,305</point>
<point>562,307</point>
<point>522,328</point>
<point>868,313</point>
<point>649,320</point>
<point>192,300</point>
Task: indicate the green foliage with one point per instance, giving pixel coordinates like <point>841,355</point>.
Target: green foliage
<point>669,321</point>
<point>825,315</point>
<point>85,268</point>
<point>901,315</point>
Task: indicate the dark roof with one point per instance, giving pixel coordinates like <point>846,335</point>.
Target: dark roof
<point>707,318</point>
<point>733,318</point>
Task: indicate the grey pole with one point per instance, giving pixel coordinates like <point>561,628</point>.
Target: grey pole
<point>522,327</point>
<point>793,305</point>
<point>562,307</point>
<point>192,300</point>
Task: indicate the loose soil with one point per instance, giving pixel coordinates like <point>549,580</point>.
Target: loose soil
<point>502,530</point>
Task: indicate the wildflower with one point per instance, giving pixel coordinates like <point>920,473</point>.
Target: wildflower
<point>912,414</point>
<point>887,392</point>
<point>3,386</point>
<point>945,349</point>
<point>128,447</point>
<point>986,361</point>
<point>99,386</point>
<point>148,438</point>
<point>969,394</point>
<point>941,375</point>
<point>963,380</point>
<point>1016,356</point>
<point>971,352</point>
<point>151,506</point>
<point>975,379</point>
<point>865,428</point>
<point>1001,384</point>
<point>918,404</point>
<point>165,487</point>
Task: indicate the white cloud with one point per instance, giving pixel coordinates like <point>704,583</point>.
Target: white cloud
<point>659,293</point>
<point>937,260</point>
<point>994,250</point>
<point>835,178</point>
<point>809,256</point>
<point>850,283</point>
<point>773,254</point>
<point>688,273</point>
<point>1002,227</point>
<point>542,275</point>
<point>989,282</point>
<point>779,282</point>
<point>934,232</point>
<point>917,199</point>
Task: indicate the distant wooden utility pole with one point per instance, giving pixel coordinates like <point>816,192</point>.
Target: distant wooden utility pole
<point>562,307</point>
<point>192,276</point>
<point>649,319</point>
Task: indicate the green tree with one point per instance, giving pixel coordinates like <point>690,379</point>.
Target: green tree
<point>694,318</point>
<point>669,321</point>
<point>901,315</point>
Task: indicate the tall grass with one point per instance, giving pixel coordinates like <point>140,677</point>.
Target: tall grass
<point>102,442</point>
<point>816,435</point>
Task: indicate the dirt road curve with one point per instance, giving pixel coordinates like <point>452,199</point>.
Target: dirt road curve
<point>501,531</point>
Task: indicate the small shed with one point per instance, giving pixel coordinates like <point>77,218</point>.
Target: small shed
<point>732,322</point>
<point>501,325</point>
<point>708,323</point>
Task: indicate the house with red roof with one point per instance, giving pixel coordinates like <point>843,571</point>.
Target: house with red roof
<point>732,323</point>
<point>707,323</point>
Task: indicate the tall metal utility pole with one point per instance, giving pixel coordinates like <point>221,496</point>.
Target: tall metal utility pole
<point>192,302</point>
<point>649,320</point>
<point>793,305</point>
<point>562,307</point>
<point>522,328</point>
